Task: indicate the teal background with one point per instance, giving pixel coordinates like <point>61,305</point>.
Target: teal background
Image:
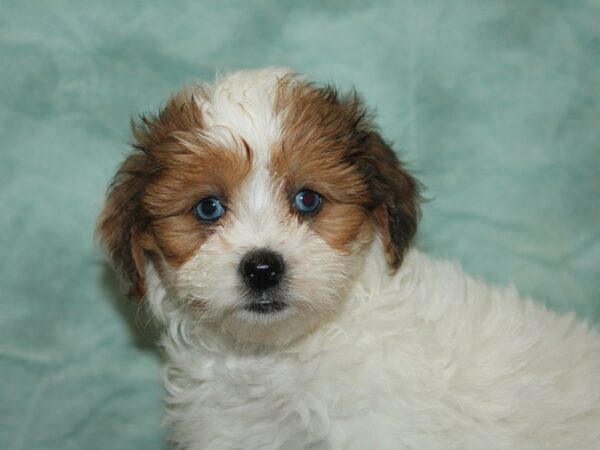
<point>495,105</point>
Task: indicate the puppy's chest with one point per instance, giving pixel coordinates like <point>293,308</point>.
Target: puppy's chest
<point>300,403</point>
<point>279,385</point>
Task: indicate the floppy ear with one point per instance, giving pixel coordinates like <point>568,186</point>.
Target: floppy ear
<point>120,225</point>
<point>395,195</point>
<point>124,225</point>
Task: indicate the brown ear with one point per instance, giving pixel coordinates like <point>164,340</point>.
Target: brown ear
<point>395,195</point>
<point>119,225</point>
<point>124,224</point>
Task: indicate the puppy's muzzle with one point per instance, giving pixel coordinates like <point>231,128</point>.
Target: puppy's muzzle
<point>262,269</point>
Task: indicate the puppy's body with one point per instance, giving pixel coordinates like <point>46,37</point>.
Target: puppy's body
<point>427,358</point>
<point>267,224</point>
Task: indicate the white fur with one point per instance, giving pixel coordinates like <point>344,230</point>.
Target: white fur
<point>426,358</point>
<point>241,105</point>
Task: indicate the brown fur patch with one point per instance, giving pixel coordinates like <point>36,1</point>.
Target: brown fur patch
<point>330,146</point>
<point>343,226</point>
<point>187,177</point>
<point>149,209</point>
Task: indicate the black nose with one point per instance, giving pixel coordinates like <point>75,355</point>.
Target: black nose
<point>262,269</point>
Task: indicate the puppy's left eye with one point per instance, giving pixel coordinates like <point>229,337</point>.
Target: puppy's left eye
<point>307,202</point>
<point>209,209</point>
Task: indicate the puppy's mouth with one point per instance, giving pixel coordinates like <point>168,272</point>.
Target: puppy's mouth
<point>265,304</point>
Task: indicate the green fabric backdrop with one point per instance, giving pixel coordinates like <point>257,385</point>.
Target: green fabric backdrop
<point>494,104</point>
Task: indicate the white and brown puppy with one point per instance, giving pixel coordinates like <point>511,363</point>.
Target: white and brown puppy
<point>267,224</point>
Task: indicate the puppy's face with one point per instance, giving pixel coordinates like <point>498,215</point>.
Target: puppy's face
<point>253,202</point>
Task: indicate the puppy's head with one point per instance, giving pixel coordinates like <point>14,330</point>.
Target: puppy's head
<point>252,203</point>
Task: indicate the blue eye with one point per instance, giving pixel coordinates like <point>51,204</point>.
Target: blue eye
<point>209,209</point>
<point>307,202</point>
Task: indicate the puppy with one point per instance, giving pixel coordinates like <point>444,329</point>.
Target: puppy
<point>267,225</point>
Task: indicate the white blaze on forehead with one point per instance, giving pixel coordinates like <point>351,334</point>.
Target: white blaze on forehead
<point>241,105</point>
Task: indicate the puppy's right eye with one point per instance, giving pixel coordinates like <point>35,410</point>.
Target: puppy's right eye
<point>209,209</point>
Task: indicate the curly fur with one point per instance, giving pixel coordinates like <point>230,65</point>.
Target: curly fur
<point>379,346</point>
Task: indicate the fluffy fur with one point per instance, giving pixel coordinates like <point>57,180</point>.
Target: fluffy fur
<point>378,345</point>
